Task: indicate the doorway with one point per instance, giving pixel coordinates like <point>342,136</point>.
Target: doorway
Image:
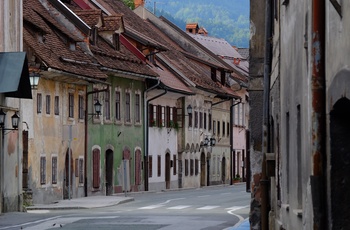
<point>138,163</point>
<point>340,164</point>
<point>68,180</point>
<point>109,172</point>
<point>203,169</point>
<point>223,170</point>
<point>167,171</point>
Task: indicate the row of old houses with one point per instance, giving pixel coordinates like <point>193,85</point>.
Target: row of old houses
<point>125,101</point>
<point>301,178</point>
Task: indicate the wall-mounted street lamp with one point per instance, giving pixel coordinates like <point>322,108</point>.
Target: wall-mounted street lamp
<point>14,119</point>
<point>34,80</point>
<point>208,142</point>
<point>98,107</point>
<point>189,110</point>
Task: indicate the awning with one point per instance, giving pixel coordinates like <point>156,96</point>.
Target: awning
<point>14,75</point>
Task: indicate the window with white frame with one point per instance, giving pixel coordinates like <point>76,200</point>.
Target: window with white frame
<point>127,107</point>
<point>137,108</point>
<point>117,105</point>
<point>71,105</point>
<point>107,105</point>
<point>38,103</point>
<point>162,121</point>
<point>81,107</point>
<point>48,104</point>
<point>57,105</point>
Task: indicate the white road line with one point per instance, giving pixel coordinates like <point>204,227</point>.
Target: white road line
<point>203,196</point>
<point>234,208</point>
<point>152,206</point>
<point>227,193</point>
<point>207,207</point>
<point>180,207</point>
<point>168,201</point>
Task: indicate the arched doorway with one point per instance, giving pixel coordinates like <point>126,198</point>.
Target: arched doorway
<point>109,172</point>
<point>167,171</point>
<point>68,181</point>
<point>203,169</point>
<point>223,170</point>
<point>340,163</point>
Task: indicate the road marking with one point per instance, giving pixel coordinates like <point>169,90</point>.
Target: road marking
<point>207,207</point>
<point>203,196</point>
<point>179,207</point>
<point>152,206</point>
<point>234,208</point>
<point>224,194</point>
<point>168,201</point>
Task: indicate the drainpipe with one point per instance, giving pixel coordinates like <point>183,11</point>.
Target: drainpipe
<point>145,118</point>
<point>318,126</point>
<point>233,157</point>
<point>265,135</point>
<point>86,133</point>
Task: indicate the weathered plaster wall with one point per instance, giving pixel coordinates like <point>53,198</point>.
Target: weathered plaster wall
<point>51,139</point>
<point>120,135</point>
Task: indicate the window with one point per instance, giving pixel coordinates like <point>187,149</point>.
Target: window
<point>42,170</point>
<point>205,120</point>
<point>116,41</point>
<point>196,119</point>
<point>228,128</point>
<point>81,170</point>
<point>81,107</point>
<point>137,108</point>
<point>196,167</point>
<point>38,103</point>
<point>127,108</point>
<point>150,171</point>
<point>71,105</point>
<point>117,105</point>
<point>209,121</point>
<point>191,167</point>
<point>186,167</point>
<point>214,128</point>
<point>223,128</point>
<point>48,104</point>
<point>218,133</point>
<point>96,168</point>
<point>54,170</point>
<point>159,166</point>
<point>57,105</point>
<point>162,118</point>
<point>169,115</point>
<point>190,120</point>
<point>174,164</point>
<point>201,120</point>
<point>107,106</point>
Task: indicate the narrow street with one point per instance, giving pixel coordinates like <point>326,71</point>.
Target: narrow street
<point>216,207</point>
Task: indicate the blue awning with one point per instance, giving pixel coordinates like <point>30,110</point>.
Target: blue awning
<point>14,75</point>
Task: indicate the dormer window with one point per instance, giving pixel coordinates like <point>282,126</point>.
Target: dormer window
<point>93,36</point>
<point>213,74</point>
<point>41,37</point>
<point>116,41</point>
<point>71,45</point>
<point>223,78</point>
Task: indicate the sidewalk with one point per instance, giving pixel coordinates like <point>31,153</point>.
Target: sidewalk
<point>83,203</point>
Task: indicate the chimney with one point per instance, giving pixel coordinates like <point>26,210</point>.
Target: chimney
<point>192,28</point>
<point>139,3</point>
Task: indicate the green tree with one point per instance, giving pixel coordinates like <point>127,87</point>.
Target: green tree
<point>129,3</point>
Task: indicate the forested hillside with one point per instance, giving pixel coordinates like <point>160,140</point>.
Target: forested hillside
<point>228,19</point>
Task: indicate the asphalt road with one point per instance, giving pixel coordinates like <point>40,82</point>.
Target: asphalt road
<point>208,208</point>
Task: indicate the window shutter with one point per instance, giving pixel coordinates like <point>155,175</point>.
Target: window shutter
<point>96,168</point>
<point>150,115</point>
<point>167,116</point>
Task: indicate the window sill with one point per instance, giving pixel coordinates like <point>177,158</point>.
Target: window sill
<point>285,206</point>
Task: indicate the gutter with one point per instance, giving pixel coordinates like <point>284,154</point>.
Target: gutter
<point>129,73</point>
<point>88,79</point>
<point>265,135</point>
